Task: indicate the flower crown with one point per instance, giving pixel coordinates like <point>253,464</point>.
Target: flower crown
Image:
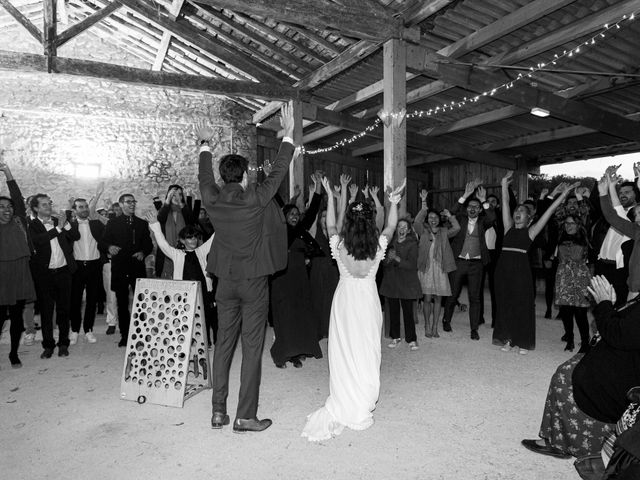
<point>360,210</point>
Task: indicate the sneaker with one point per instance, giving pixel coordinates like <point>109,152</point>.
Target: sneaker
<point>413,346</point>
<point>91,338</point>
<point>394,343</point>
<point>523,351</point>
<point>73,338</point>
<point>111,329</point>
<point>507,347</point>
<point>29,339</point>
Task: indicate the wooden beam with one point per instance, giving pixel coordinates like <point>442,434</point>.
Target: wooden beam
<point>107,71</point>
<point>475,121</point>
<point>174,11</point>
<point>353,21</point>
<point>395,102</point>
<point>210,13</point>
<point>314,37</point>
<point>528,97</point>
<point>22,20</point>
<point>91,20</point>
<point>186,32</point>
<point>50,30</point>
<point>422,10</point>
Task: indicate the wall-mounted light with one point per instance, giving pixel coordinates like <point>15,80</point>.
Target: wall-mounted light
<point>539,112</point>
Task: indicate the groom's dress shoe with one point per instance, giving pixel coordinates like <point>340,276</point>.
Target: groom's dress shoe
<point>242,425</point>
<point>219,419</point>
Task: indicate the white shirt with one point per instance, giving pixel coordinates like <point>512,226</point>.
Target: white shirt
<point>85,249</point>
<point>610,249</point>
<point>57,255</point>
<point>490,237</point>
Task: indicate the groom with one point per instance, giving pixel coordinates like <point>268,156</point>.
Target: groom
<point>250,243</point>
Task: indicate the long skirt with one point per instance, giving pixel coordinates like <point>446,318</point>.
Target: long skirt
<point>564,425</point>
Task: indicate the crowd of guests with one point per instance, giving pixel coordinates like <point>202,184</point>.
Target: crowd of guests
<point>583,241</point>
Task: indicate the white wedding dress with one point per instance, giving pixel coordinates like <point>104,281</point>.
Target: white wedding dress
<point>354,348</point>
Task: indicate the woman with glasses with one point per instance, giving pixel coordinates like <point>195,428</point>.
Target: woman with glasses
<point>572,280</point>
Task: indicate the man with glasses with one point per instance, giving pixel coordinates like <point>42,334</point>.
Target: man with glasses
<point>128,242</point>
<point>52,266</point>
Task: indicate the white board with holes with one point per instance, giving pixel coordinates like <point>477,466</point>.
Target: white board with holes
<point>166,359</point>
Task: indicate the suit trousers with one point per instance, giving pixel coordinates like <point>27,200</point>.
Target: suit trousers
<point>111,306</point>
<point>88,276</point>
<point>242,310</point>
<point>122,297</point>
<point>471,271</point>
<point>53,289</point>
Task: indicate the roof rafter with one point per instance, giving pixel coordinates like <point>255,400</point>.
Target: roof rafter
<point>22,20</point>
<point>88,22</point>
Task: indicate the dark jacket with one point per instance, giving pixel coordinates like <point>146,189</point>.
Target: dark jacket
<point>251,232</point>
<point>96,227</point>
<point>486,220</point>
<point>41,239</point>
<point>605,374</point>
<point>131,238</point>
<point>400,280</point>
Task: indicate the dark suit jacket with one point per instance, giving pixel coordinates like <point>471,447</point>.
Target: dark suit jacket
<point>97,232</point>
<point>131,239</point>
<point>41,239</point>
<point>486,220</point>
<point>251,233</point>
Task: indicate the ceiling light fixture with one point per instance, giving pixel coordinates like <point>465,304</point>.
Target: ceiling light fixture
<point>539,112</point>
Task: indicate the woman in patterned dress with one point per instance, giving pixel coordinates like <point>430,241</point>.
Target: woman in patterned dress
<point>572,280</point>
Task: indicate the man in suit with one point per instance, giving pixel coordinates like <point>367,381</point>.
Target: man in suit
<point>612,247</point>
<point>127,239</point>
<point>52,266</point>
<point>250,243</point>
<point>470,251</point>
<point>88,254</point>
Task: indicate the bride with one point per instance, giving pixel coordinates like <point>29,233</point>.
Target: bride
<point>356,319</point>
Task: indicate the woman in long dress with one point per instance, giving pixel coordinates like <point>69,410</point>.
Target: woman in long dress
<point>356,319</point>
<point>515,304</point>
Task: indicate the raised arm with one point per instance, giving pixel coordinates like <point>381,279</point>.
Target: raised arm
<point>537,227</point>
<point>623,225</point>
<point>93,202</point>
<point>373,191</point>
<point>331,211</point>
<point>342,204</point>
<point>418,222</point>
<point>14,191</point>
<point>507,220</point>
<point>155,227</point>
<point>209,189</point>
<point>392,219</point>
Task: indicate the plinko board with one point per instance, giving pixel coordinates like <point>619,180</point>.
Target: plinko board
<point>166,358</point>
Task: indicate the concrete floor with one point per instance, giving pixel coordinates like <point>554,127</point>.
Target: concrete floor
<point>455,409</point>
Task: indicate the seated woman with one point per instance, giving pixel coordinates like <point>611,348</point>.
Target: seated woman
<point>587,394</point>
<point>15,252</point>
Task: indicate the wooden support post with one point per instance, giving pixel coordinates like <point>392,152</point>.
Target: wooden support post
<point>522,177</point>
<point>395,102</point>
<point>50,31</point>
<point>296,168</point>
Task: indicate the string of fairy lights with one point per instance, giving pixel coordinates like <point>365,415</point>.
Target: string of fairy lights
<point>387,117</point>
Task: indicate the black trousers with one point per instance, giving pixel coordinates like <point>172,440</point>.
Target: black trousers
<point>242,311</point>
<point>88,276</point>
<point>550,283</point>
<point>122,298</point>
<point>567,314</point>
<point>470,271</point>
<point>489,275</point>
<point>53,289</point>
<point>17,324</point>
<point>617,278</point>
<point>394,319</point>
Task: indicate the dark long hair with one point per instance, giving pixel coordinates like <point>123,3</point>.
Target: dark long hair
<point>581,237</point>
<point>359,232</point>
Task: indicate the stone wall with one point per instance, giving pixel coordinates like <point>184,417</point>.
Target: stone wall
<point>55,129</point>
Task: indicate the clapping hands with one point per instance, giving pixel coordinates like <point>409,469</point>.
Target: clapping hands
<point>602,290</point>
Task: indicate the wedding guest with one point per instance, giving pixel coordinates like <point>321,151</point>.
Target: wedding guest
<point>15,251</point>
